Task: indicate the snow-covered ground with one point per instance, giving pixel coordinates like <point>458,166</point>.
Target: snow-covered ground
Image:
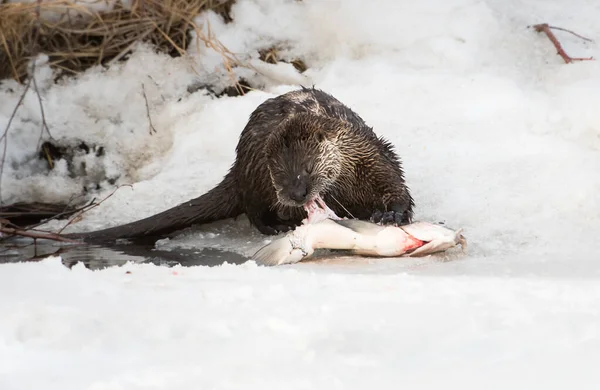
<point>244,327</point>
<point>497,135</point>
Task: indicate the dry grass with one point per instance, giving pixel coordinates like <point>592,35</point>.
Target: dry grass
<point>76,37</point>
<point>271,56</point>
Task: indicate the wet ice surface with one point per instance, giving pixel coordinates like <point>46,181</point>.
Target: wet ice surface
<point>97,257</point>
<point>234,242</point>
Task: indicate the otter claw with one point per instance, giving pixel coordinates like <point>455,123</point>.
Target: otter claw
<point>399,219</point>
<point>267,230</point>
<point>283,228</point>
<point>388,218</point>
<point>376,216</point>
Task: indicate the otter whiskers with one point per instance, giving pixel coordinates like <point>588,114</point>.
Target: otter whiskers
<point>342,206</point>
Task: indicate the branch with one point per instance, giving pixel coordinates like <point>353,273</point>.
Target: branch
<point>4,137</point>
<point>35,234</point>
<point>157,86</point>
<point>8,228</point>
<point>91,206</point>
<point>545,28</point>
<point>64,213</point>
<point>39,97</point>
<point>570,32</point>
<point>152,129</point>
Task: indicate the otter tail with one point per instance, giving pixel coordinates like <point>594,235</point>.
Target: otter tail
<point>219,203</point>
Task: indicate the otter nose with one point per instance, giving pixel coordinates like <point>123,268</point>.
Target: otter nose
<point>298,194</point>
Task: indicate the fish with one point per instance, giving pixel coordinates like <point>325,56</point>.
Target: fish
<point>323,229</point>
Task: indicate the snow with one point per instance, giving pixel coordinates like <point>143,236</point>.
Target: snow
<point>246,327</point>
<point>497,135</point>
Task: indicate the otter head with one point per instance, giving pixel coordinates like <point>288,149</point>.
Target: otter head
<point>303,158</point>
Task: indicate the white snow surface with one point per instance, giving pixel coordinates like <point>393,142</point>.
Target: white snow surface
<point>248,327</point>
<point>497,136</point>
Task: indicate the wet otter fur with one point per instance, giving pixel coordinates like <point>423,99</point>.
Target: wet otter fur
<point>294,147</point>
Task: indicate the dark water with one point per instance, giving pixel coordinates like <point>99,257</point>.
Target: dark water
<point>98,257</point>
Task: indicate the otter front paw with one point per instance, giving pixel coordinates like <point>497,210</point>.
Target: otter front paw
<point>390,217</point>
<point>282,228</point>
<point>272,230</point>
<point>267,230</point>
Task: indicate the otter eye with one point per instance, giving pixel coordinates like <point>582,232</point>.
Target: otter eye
<point>281,178</point>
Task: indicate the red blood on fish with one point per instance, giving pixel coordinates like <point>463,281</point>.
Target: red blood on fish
<point>413,243</point>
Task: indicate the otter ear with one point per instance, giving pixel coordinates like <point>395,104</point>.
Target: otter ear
<point>329,129</point>
<point>275,145</point>
<point>269,148</point>
<point>321,136</point>
<point>326,133</point>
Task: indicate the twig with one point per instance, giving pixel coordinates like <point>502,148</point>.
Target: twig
<point>35,234</point>
<point>39,97</point>
<point>152,129</point>
<point>4,137</point>
<point>82,208</point>
<point>91,206</point>
<point>33,66</point>
<point>157,86</point>
<point>570,32</point>
<point>8,227</point>
<point>545,28</point>
<point>230,60</point>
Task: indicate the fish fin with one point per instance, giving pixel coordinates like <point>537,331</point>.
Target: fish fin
<point>426,231</point>
<point>461,240</point>
<point>361,227</point>
<point>278,252</point>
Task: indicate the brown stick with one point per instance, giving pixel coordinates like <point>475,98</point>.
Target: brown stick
<point>152,129</point>
<point>56,216</point>
<point>35,86</point>
<point>4,137</point>
<point>39,98</point>
<point>545,28</point>
<point>35,234</point>
<point>89,207</point>
<point>570,32</point>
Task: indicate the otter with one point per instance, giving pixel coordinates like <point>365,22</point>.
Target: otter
<point>296,147</point>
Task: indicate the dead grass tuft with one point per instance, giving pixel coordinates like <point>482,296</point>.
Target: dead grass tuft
<point>76,37</point>
<point>271,56</point>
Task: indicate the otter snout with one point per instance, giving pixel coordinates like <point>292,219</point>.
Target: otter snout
<point>298,193</point>
<point>297,190</point>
